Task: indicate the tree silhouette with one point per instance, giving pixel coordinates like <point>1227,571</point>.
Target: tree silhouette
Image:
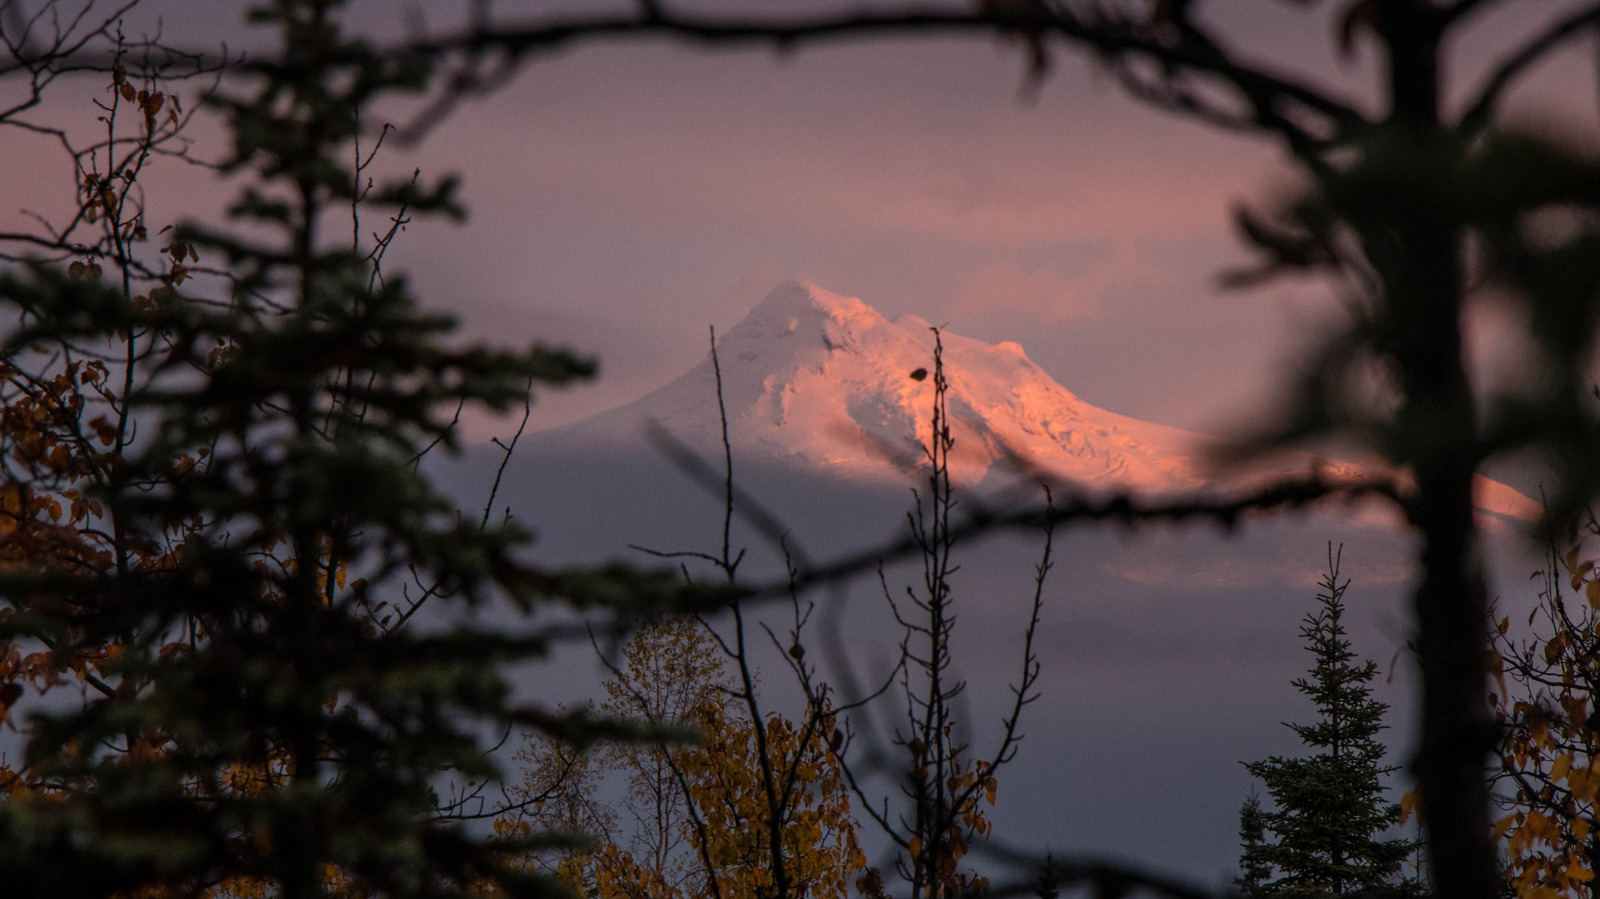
<point>1322,835</point>
<point>239,573</point>
<point>947,783</point>
<point>1254,869</point>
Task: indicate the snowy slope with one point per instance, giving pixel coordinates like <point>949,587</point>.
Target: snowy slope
<point>823,382</point>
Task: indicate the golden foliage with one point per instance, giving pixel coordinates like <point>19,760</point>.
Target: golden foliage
<point>1550,751</point>
<point>695,819</point>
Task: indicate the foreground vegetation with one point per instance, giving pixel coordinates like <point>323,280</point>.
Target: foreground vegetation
<point>219,547</point>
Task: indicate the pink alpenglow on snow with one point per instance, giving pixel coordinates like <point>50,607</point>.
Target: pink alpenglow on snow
<point>823,382</point>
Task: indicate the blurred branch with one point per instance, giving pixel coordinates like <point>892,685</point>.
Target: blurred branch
<point>1073,507</point>
<point>487,54</point>
<point>1534,51</point>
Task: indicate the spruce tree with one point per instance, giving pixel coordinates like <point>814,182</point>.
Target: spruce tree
<point>1322,836</point>
<point>1254,870</point>
<point>1047,885</point>
<point>275,720</point>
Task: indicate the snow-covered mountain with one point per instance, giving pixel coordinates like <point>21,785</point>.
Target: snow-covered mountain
<point>1170,630</point>
<point>823,382</point>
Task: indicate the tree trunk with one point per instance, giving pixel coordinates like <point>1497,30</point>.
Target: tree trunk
<point>1421,266</point>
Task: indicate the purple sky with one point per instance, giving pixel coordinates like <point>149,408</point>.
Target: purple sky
<point>625,196</point>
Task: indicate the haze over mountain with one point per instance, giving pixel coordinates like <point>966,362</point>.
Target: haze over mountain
<point>1168,652</point>
<point>823,383</point>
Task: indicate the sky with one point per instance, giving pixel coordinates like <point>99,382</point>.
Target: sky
<point>625,197</point>
<point>631,195</point>
<point>650,192</point>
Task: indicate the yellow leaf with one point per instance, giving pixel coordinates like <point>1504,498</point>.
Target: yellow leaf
<point>1562,765</point>
<point>1592,591</point>
<point>1411,804</point>
<point>1583,782</point>
<point>1579,573</point>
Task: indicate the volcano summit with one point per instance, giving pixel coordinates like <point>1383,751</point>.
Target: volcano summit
<point>824,383</point>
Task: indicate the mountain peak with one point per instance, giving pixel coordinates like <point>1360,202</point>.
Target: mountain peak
<point>821,381</point>
<point>804,314</point>
<point>804,298</point>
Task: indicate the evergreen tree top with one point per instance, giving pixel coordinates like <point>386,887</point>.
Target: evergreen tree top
<point>1322,833</point>
<point>1349,718</point>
